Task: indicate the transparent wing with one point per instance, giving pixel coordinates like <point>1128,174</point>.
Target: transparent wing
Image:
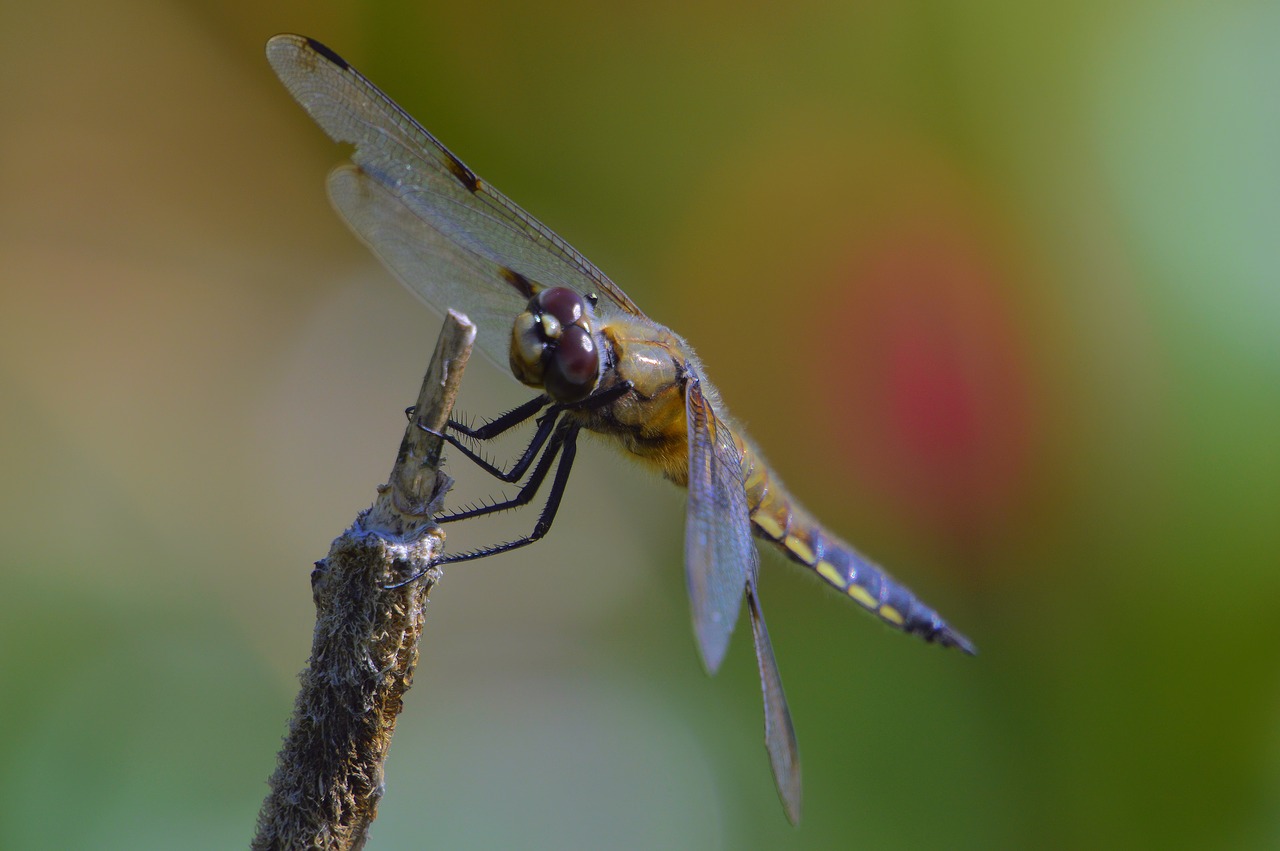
<point>421,176</point>
<point>719,553</point>
<point>430,264</point>
<point>779,735</point>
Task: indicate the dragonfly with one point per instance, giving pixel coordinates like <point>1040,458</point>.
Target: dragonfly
<point>600,364</point>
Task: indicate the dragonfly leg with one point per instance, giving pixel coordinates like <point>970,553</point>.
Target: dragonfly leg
<point>504,423</point>
<point>565,445</point>
<point>546,424</point>
<point>528,490</point>
<point>511,419</point>
<point>516,416</point>
<point>497,427</point>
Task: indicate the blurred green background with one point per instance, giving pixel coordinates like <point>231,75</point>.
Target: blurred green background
<point>993,284</point>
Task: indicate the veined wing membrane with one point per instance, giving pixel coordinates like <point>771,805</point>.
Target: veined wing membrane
<point>779,734</point>
<point>422,257</point>
<point>719,553</point>
<point>428,180</point>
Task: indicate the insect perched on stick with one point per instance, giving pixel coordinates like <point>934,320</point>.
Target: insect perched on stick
<point>600,363</point>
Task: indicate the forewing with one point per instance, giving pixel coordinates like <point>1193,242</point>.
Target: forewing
<point>430,183</point>
<point>420,255</point>
<point>779,735</point>
<point>719,554</point>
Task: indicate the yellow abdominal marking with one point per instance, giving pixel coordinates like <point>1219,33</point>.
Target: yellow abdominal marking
<point>891,614</point>
<point>829,573</point>
<point>769,525</point>
<point>860,594</point>
<point>754,480</point>
<point>800,548</point>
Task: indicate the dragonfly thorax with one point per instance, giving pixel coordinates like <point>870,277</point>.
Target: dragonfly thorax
<point>553,345</point>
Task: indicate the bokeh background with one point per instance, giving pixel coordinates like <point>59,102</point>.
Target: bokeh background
<point>994,284</point>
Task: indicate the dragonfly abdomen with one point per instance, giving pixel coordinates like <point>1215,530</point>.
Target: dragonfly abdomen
<point>780,520</point>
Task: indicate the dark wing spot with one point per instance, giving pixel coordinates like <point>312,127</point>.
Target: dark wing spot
<point>519,282</point>
<point>328,54</point>
<point>465,176</point>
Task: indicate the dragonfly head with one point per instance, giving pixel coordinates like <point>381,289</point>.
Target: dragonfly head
<point>553,345</point>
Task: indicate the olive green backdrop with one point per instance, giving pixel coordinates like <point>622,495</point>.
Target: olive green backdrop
<point>993,284</point>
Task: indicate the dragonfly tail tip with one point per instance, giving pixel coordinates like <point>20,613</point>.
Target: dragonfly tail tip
<point>955,639</point>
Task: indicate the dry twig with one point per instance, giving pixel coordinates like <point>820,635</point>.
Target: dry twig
<point>329,778</point>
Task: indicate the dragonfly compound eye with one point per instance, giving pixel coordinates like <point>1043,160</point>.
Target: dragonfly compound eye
<point>562,303</point>
<point>527,347</point>
<point>573,370</point>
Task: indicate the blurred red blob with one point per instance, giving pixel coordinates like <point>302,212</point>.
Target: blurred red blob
<point>926,376</point>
